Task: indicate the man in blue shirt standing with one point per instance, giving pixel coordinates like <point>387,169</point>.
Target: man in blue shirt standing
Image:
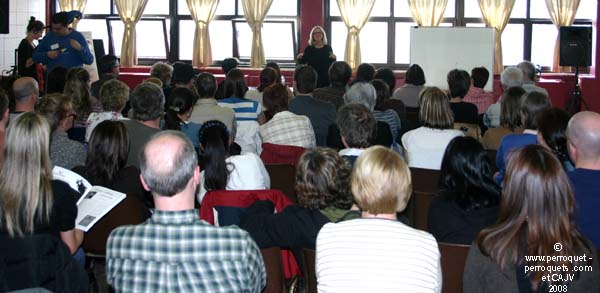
<point>63,46</point>
<point>583,134</point>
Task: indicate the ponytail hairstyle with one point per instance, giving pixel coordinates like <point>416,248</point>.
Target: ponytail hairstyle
<point>182,101</point>
<point>214,140</point>
<point>35,25</point>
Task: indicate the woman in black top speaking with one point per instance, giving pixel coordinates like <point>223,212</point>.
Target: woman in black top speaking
<point>318,54</point>
<point>26,66</point>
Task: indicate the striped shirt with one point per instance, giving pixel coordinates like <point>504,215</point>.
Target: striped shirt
<point>391,118</point>
<point>376,255</point>
<point>174,251</point>
<point>480,98</point>
<point>245,110</point>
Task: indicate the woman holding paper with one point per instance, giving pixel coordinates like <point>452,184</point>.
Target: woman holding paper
<point>30,201</point>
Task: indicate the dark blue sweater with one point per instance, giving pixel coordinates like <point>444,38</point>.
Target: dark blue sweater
<point>586,185</point>
<point>68,57</point>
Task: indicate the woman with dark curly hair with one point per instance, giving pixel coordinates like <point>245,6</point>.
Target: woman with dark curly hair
<point>323,189</point>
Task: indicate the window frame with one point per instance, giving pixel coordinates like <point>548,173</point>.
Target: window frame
<point>172,36</point>
<point>458,20</point>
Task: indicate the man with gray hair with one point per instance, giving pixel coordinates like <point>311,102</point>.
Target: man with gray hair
<point>583,135</point>
<point>147,103</point>
<point>510,77</point>
<point>529,78</point>
<point>26,93</point>
<point>174,251</point>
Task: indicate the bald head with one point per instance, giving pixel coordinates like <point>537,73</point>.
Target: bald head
<point>24,89</point>
<point>583,133</point>
<point>168,163</point>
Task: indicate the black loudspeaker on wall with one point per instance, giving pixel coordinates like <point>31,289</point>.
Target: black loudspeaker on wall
<point>3,16</point>
<point>575,46</point>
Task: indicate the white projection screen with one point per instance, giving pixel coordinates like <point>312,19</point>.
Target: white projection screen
<point>440,49</point>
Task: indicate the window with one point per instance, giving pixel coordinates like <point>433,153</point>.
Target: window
<point>229,33</point>
<point>385,39</point>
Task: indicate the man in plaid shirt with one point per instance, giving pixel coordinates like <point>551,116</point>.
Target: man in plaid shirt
<point>174,251</point>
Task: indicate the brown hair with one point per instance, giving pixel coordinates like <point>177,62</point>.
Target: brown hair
<point>323,180</point>
<point>54,107</point>
<point>510,107</point>
<point>275,100</point>
<point>536,211</point>
<point>434,109</point>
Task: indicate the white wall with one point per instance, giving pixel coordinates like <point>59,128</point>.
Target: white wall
<point>20,11</point>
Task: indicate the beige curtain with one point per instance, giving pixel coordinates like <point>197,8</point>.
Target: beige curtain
<point>203,12</point>
<point>355,14</point>
<point>427,12</point>
<point>255,12</point>
<point>68,5</point>
<point>130,12</point>
<point>562,13</point>
<point>495,14</point>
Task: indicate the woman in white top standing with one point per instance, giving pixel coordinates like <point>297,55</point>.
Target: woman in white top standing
<point>378,253</point>
<point>223,172</point>
<point>425,146</point>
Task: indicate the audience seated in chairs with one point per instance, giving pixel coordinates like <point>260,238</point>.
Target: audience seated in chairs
<point>425,145</point>
<point>552,127</point>
<point>409,93</point>
<point>248,113</point>
<point>382,113</point>
<point>268,76</point>
<point>147,103</point>
<point>178,114</point>
<point>113,96</point>
<point>476,94</point>
<point>536,211</point>
<point>26,94</point>
<point>339,75</point>
<point>510,118</point>
<point>64,152</point>
<point>364,93</point>
<point>468,198</point>
<point>321,114</point>
<point>533,104</point>
<point>31,202</point>
<point>322,187</point>
<point>510,77</point>
<point>583,133</point>
<point>175,251</point>
<point>77,88</point>
<point>220,171</point>
<point>206,107</point>
<point>377,253</point>
<point>384,101</point>
<point>106,162</point>
<point>357,128</point>
<point>459,82</point>
<point>284,127</point>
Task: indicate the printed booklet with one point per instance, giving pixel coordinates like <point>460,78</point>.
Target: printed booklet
<point>94,201</point>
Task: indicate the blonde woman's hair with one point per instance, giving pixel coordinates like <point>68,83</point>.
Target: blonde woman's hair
<point>311,41</point>
<point>381,181</point>
<point>435,111</point>
<point>26,175</point>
